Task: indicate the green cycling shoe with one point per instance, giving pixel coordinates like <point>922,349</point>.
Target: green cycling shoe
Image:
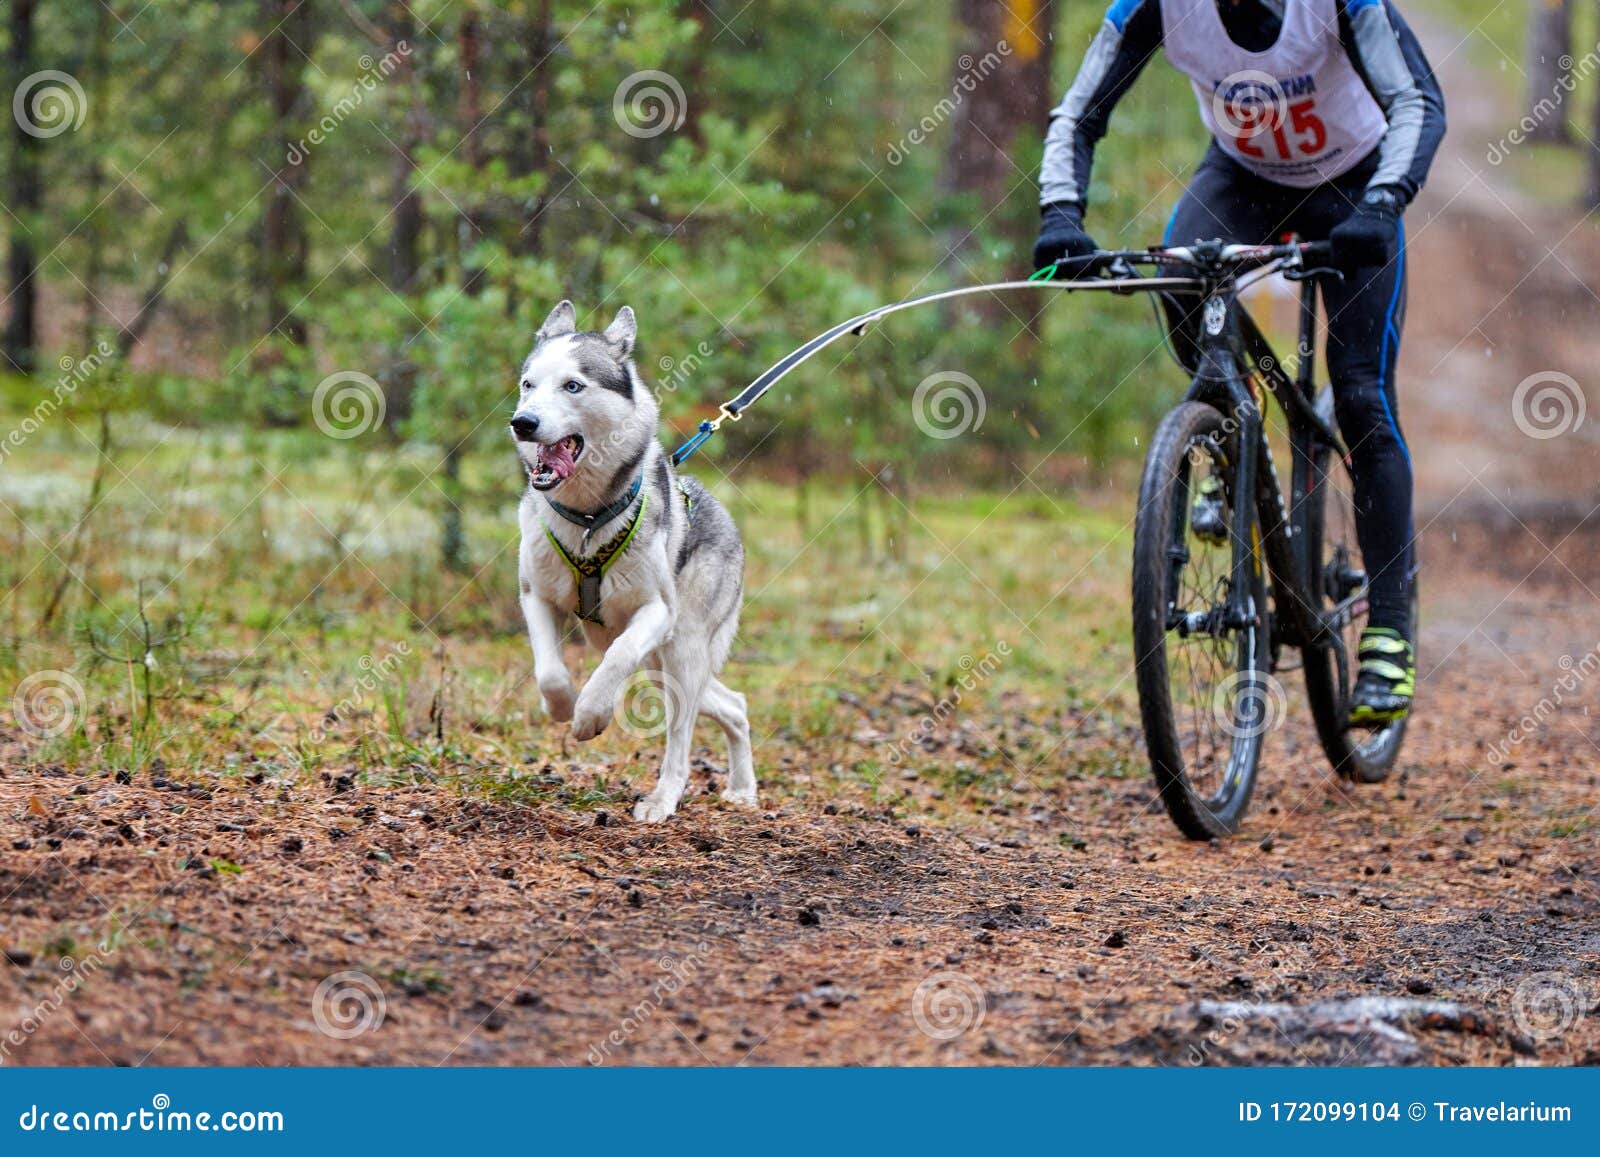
<point>1388,679</point>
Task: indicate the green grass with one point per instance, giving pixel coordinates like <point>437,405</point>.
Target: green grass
<point>272,604</point>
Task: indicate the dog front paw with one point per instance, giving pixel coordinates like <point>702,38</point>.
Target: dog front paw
<point>591,716</point>
<point>745,798</point>
<point>558,700</point>
<point>654,808</point>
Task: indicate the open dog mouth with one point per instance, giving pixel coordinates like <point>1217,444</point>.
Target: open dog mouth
<point>554,462</point>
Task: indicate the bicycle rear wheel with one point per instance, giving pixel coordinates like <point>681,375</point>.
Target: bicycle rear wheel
<point>1332,559</point>
<point>1205,690</point>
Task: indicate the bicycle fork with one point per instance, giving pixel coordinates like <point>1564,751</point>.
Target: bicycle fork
<point>1220,366</point>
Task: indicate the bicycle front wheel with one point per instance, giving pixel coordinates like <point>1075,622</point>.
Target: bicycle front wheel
<point>1206,693</point>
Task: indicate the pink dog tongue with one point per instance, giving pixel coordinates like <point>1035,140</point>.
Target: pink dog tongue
<point>557,458</point>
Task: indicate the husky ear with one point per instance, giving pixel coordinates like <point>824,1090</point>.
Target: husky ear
<point>621,332</point>
<point>563,320</point>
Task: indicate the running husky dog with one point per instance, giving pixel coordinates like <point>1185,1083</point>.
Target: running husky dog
<point>650,563</point>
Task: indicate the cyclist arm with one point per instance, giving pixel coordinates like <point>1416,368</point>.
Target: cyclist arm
<point>1390,60</point>
<point>1127,40</point>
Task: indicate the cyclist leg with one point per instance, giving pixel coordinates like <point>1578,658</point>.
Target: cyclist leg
<point>1366,314</point>
<point>1224,201</point>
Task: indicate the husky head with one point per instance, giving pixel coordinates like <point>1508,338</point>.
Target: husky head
<point>584,417</point>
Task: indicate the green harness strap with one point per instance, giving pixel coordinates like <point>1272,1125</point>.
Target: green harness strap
<point>588,570</point>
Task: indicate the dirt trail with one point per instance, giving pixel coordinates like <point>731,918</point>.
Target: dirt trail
<point>1465,895</point>
<point>1502,289</point>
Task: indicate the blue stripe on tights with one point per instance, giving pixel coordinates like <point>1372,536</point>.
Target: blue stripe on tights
<point>1392,336</point>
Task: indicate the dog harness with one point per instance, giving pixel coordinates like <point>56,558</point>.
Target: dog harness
<point>592,520</point>
<point>589,569</point>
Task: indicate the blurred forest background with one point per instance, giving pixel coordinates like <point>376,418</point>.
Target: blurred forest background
<point>246,197</point>
<point>271,266</point>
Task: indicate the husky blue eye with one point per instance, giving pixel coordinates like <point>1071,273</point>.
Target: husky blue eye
<point>573,387</point>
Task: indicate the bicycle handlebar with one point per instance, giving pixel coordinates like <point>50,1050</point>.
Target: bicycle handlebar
<point>1208,256</point>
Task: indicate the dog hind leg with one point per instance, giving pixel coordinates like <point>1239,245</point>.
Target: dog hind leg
<point>727,708</point>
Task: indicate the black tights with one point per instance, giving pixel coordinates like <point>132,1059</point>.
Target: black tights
<point>1365,314</point>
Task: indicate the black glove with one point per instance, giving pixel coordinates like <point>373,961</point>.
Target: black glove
<point>1371,235</point>
<point>1061,236</point>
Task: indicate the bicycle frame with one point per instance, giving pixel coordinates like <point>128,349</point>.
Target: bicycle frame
<point>1233,354</point>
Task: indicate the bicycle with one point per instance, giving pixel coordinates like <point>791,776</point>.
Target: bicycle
<point>1211,616</point>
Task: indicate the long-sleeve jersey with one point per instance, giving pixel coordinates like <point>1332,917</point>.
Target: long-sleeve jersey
<point>1371,35</point>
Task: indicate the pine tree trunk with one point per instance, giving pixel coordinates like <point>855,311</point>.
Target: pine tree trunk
<point>694,76</point>
<point>284,243</point>
<point>470,116</point>
<point>452,534</point>
<point>1000,88</point>
<point>1000,95</point>
<point>20,345</point>
<point>405,230</point>
<point>407,222</point>
<point>1549,69</point>
<point>541,61</point>
<point>93,234</point>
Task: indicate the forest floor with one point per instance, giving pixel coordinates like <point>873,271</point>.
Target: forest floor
<point>1012,895</point>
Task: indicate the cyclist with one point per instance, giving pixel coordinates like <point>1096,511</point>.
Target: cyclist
<point>1325,116</point>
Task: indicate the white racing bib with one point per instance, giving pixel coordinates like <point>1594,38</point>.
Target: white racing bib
<point>1297,114</point>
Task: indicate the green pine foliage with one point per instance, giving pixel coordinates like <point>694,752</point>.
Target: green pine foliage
<point>770,213</point>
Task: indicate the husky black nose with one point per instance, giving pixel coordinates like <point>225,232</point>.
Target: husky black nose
<point>524,427</point>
